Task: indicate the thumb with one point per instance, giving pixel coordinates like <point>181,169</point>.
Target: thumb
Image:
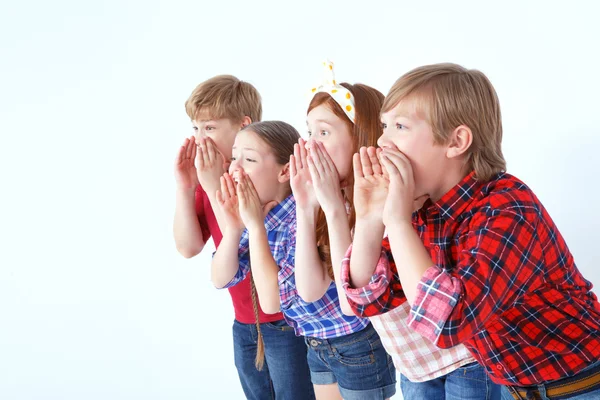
<point>269,206</point>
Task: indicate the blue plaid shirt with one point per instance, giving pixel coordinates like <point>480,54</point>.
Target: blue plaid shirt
<point>322,318</point>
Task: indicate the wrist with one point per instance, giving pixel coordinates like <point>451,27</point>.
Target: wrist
<point>233,231</point>
<point>186,190</point>
<point>337,209</point>
<point>307,215</point>
<point>256,228</point>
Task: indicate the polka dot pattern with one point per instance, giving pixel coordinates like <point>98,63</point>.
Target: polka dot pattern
<point>340,94</point>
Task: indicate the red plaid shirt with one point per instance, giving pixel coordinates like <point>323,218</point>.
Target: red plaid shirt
<point>504,283</point>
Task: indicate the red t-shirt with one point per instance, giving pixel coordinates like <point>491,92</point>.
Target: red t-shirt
<point>240,293</point>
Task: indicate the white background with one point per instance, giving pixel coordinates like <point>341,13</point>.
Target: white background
<point>95,302</point>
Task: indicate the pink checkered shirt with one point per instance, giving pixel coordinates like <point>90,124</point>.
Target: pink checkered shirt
<point>416,357</point>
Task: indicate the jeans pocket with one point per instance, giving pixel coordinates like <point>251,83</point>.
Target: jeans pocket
<point>280,325</point>
<point>357,354</point>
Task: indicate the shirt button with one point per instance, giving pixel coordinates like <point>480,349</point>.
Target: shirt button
<point>437,248</point>
<point>498,367</point>
<point>313,343</point>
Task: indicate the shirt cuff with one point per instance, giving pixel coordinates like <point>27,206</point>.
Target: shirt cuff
<point>374,289</point>
<point>436,297</point>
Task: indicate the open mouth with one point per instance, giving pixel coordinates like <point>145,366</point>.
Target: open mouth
<point>236,176</point>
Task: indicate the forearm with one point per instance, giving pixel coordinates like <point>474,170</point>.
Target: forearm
<point>225,263</point>
<point>186,227</point>
<point>264,270</point>
<point>411,256</point>
<point>312,280</point>
<point>214,204</point>
<point>340,239</point>
<point>366,250</point>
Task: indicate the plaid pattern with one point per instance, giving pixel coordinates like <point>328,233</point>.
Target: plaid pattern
<point>321,319</point>
<point>504,284</point>
<point>416,357</point>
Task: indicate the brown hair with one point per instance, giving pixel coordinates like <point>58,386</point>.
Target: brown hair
<point>365,132</point>
<point>225,96</point>
<point>281,137</point>
<point>448,96</point>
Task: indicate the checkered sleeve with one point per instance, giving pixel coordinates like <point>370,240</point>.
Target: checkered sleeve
<point>499,258</point>
<point>243,260</point>
<point>383,292</point>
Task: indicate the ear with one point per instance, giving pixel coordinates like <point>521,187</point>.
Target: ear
<point>246,121</point>
<point>460,141</point>
<point>284,173</point>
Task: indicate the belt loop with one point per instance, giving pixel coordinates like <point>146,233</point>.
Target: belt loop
<point>515,394</point>
<point>542,391</point>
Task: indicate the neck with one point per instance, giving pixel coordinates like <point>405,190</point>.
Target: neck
<point>449,180</point>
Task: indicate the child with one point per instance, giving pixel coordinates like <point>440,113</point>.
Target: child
<point>219,108</point>
<point>481,263</point>
<point>268,247</point>
<point>426,371</point>
<point>340,119</point>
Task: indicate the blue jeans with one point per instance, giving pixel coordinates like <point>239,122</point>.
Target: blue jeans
<point>357,362</point>
<point>469,382</point>
<point>285,374</point>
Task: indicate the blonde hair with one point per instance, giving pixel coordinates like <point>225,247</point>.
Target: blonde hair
<point>448,96</point>
<point>225,96</point>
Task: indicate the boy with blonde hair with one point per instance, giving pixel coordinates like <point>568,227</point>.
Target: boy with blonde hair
<point>481,262</point>
<point>218,109</point>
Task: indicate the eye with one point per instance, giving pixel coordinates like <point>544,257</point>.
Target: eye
<point>210,128</point>
<point>195,128</point>
<point>400,126</point>
<point>232,159</point>
<point>250,160</point>
<point>383,126</point>
<point>309,133</point>
<point>324,133</point>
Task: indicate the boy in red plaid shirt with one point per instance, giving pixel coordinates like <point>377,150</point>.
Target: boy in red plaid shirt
<point>481,262</point>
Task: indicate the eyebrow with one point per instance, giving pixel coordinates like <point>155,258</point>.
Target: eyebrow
<point>322,121</point>
<point>246,148</point>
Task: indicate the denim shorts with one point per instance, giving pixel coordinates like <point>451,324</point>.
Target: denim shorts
<point>357,362</point>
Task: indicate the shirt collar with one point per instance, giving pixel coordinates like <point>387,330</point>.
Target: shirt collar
<point>280,213</point>
<point>456,200</point>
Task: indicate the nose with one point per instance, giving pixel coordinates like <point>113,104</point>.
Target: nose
<point>383,141</point>
<point>309,143</point>
<point>235,167</point>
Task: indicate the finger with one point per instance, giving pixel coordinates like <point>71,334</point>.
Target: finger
<point>314,161</point>
<point>312,169</point>
<point>230,184</point>
<point>303,154</point>
<point>293,164</point>
<point>181,154</point>
<point>250,187</point>
<point>211,151</point>
<point>204,150</point>
<point>199,156</point>
<point>297,155</point>
<point>372,152</point>
<point>384,171</point>
<point>401,162</point>
<point>268,207</point>
<point>365,162</point>
<point>188,147</point>
<point>390,167</point>
<point>326,159</point>
<point>220,199</point>
<point>224,189</point>
<point>357,167</point>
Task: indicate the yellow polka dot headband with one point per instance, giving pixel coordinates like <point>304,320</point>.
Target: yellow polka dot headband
<point>340,94</point>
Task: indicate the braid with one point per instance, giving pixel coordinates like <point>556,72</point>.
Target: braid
<point>260,351</point>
